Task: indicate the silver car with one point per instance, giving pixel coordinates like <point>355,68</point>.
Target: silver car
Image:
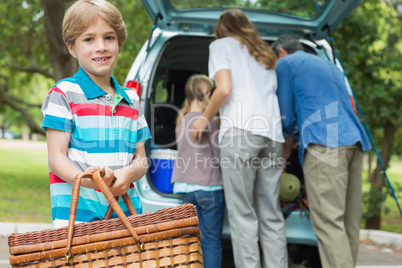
<point>178,47</point>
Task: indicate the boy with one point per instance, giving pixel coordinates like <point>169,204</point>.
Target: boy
<point>91,122</point>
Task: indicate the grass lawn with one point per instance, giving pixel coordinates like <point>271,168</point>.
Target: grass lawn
<point>24,186</point>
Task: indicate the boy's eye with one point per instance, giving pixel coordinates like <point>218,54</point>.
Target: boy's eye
<point>89,39</point>
<point>110,38</point>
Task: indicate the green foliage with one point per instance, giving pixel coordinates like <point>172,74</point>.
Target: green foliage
<point>398,142</point>
<point>24,39</point>
<point>372,202</point>
<point>22,24</point>
<point>369,41</point>
<point>138,24</point>
<point>23,33</point>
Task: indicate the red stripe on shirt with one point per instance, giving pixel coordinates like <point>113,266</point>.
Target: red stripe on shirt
<point>82,109</point>
<point>56,89</point>
<point>131,186</point>
<point>54,179</point>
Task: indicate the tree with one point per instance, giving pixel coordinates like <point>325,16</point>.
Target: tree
<point>35,48</point>
<point>370,42</point>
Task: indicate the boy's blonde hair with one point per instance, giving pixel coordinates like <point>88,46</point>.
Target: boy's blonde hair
<point>82,13</point>
<point>234,23</point>
<point>197,87</point>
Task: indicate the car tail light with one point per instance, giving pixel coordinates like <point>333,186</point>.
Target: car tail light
<point>134,85</point>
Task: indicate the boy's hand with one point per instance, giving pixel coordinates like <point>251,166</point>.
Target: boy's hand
<point>122,184</point>
<point>107,178</point>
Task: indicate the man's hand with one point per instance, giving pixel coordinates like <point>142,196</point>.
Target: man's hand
<point>287,147</point>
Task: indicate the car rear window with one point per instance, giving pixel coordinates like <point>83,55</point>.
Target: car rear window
<point>300,8</point>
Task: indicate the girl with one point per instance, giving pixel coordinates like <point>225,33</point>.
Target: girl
<point>196,174</point>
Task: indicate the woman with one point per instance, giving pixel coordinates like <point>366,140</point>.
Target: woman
<point>250,136</point>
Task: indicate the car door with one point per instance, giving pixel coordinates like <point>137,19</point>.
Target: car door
<point>307,19</point>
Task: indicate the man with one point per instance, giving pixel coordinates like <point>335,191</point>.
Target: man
<point>314,102</point>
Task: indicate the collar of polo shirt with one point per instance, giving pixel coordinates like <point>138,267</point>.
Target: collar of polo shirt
<point>92,90</point>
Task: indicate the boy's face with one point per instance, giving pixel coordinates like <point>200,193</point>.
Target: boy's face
<point>96,49</point>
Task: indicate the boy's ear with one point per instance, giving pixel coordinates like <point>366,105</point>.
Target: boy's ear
<point>71,50</point>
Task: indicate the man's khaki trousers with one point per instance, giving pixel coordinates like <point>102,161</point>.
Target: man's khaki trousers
<point>334,191</point>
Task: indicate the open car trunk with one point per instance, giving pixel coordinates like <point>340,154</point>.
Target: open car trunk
<point>179,59</point>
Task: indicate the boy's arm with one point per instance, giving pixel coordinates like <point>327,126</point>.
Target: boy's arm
<point>131,173</point>
<point>61,166</point>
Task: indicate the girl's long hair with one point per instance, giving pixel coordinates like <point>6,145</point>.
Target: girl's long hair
<point>234,23</point>
<point>197,87</point>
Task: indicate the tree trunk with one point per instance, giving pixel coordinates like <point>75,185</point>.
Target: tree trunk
<point>377,178</point>
<point>64,65</point>
<point>370,164</point>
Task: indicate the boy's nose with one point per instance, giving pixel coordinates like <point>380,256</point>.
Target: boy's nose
<point>101,45</point>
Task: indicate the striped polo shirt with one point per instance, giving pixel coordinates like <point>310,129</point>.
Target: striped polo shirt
<point>104,132</point>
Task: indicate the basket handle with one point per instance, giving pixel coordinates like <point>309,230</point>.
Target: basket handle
<point>97,177</point>
<point>126,200</point>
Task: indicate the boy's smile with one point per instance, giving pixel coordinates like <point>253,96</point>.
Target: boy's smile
<point>101,59</point>
<point>97,50</point>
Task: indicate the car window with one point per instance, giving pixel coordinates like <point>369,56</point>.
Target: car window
<point>301,8</point>
<point>161,93</point>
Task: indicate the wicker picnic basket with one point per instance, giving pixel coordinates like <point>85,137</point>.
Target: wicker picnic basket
<point>166,238</point>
